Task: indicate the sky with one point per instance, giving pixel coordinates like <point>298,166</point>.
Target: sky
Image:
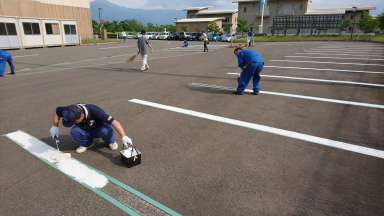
<point>227,4</point>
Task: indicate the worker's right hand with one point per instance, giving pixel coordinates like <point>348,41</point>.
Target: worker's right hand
<point>54,132</point>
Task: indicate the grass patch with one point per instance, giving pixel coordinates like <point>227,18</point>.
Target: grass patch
<point>92,41</point>
<point>376,38</point>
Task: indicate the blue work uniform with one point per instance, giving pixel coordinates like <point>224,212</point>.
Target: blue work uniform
<point>96,124</point>
<point>185,43</point>
<point>250,34</point>
<point>4,58</point>
<point>253,64</point>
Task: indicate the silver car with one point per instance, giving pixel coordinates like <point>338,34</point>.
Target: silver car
<point>228,37</point>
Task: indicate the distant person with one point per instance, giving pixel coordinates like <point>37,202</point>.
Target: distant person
<point>205,41</point>
<point>251,64</point>
<point>89,122</point>
<point>124,35</point>
<point>250,34</point>
<point>4,58</point>
<point>141,44</point>
<point>185,44</point>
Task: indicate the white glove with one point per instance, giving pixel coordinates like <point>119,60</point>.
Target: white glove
<point>127,141</point>
<point>54,132</point>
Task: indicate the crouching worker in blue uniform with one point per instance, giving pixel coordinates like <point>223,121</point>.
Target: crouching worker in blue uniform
<point>185,44</point>
<point>89,122</point>
<point>4,58</point>
<point>251,64</point>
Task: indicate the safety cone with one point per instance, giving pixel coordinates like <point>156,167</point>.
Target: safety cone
<point>253,43</point>
<point>231,44</point>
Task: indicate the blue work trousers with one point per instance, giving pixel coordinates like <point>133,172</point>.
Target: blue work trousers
<point>4,58</point>
<point>105,132</point>
<point>124,39</point>
<point>252,70</point>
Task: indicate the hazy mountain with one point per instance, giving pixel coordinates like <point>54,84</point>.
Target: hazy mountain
<point>112,12</point>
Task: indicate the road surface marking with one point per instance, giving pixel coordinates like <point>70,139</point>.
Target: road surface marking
<point>316,62</point>
<point>321,51</point>
<point>24,56</point>
<point>324,69</point>
<point>277,131</point>
<point>332,57</point>
<point>335,54</point>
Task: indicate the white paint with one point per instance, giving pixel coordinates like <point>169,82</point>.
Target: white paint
<point>340,52</point>
<point>281,132</point>
<point>343,63</point>
<point>324,69</point>
<point>24,56</point>
<point>318,80</point>
<point>325,57</point>
<point>337,54</point>
<point>69,167</point>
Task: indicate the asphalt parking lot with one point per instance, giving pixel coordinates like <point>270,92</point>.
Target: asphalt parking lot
<point>311,143</point>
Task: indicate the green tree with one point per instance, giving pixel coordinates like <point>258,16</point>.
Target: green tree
<point>346,23</point>
<point>380,18</point>
<point>227,29</point>
<point>198,29</point>
<point>167,27</point>
<point>95,26</point>
<point>213,27</point>
<point>185,28</point>
<point>242,26</point>
<point>367,23</point>
<point>150,27</point>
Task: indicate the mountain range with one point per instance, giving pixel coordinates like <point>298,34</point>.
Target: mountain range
<point>112,12</point>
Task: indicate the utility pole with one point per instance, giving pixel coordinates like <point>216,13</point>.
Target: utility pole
<point>262,16</point>
<point>353,22</point>
<point>175,24</point>
<point>100,19</point>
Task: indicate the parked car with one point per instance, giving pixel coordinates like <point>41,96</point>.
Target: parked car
<point>216,37</point>
<point>163,36</point>
<point>202,36</point>
<point>228,37</point>
<point>194,36</point>
<point>137,36</point>
<point>154,36</point>
<point>148,35</point>
<point>183,35</point>
<point>173,36</point>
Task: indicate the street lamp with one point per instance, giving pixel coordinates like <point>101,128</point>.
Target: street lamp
<point>100,19</point>
<point>175,24</point>
<point>353,22</point>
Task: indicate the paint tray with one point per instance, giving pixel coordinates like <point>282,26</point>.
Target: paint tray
<point>130,156</point>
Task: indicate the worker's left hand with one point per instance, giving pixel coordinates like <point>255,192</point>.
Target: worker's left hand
<point>127,141</point>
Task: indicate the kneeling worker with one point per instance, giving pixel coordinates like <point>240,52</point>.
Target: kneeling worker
<point>185,44</point>
<point>251,64</point>
<point>90,122</point>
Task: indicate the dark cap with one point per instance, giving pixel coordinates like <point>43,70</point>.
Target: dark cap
<point>71,114</point>
<point>202,31</point>
<point>142,31</point>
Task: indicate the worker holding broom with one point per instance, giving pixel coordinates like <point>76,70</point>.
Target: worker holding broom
<point>89,122</point>
<point>142,43</point>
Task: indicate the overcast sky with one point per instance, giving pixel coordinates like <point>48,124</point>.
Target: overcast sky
<point>227,4</point>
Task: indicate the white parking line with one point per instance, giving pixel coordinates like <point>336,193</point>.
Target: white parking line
<point>24,56</point>
<point>318,80</point>
<point>335,54</point>
<point>343,63</point>
<point>115,47</point>
<point>332,57</point>
<point>347,50</point>
<point>277,131</point>
<point>324,69</point>
<point>340,52</point>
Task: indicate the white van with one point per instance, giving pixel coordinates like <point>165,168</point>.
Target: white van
<point>163,36</point>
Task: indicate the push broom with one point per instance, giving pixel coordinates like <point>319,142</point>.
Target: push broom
<point>62,156</point>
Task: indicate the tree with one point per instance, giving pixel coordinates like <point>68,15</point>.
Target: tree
<point>213,27</point>
<point>198,29</point>
<point>185,28</point>
<point>150,27</point>
<point>167,27</point>
<point>95,26</point>
<point>380,18</point>
<point>242,26</point>
<point>367,23</point>
<point>227,28</point>
<point>346,23</point>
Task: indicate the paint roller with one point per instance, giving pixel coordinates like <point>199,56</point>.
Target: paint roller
<point>62,156</point>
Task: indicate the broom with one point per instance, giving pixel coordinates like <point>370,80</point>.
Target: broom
<point>130,60</point>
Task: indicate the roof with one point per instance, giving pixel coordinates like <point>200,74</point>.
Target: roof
<point>314,11</point>
<point>196,8</point>
<point>229,11</point>
<point>199,20</point>
<point>348,8</point>
<point>244,1</point>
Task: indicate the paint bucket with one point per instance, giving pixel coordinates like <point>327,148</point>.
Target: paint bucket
<point>130,156</point>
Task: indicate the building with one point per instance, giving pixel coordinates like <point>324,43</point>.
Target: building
<point>51,17</point>
<point>196,16</point>
<point>201,23</point>
<point>249,10</point>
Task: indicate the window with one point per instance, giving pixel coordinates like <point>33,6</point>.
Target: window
<point>245,9</point>
<point>226,19</point>
<point>11,28</point>
<point>362,16</point>
<point>3,31</point>
<point>350,28</point>
<point>73,29</point>
<point>192,16</point>
<point>351,16</point>
<point>301,7</point>
<point>31,28</point>
<point>52,28</point>
<point>70,29</point>
<point>251,29</point>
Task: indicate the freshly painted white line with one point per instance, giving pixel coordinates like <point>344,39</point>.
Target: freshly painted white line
<point>332,57</point>
<point>348,50</point>
<point>24,56</point>
<point>337,54</point>
<point>318,80</point>
<point>324,69</point>
<point>323,51</point>
<point>343,63</point>
<point>277,131</point>
<point>69,166</point>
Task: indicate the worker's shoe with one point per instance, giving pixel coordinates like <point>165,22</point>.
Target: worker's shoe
<point>82,149</point>
<point>255,93</point>
<point>236,93</point>
<point>147,68</point>
<point>12,73</point>
<point>113,146</point>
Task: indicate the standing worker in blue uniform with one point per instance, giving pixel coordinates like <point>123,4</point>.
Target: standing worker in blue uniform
<point>4,58</point>
<point>251,64</point>
<point>250,34</point>
<point>89,122</point>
